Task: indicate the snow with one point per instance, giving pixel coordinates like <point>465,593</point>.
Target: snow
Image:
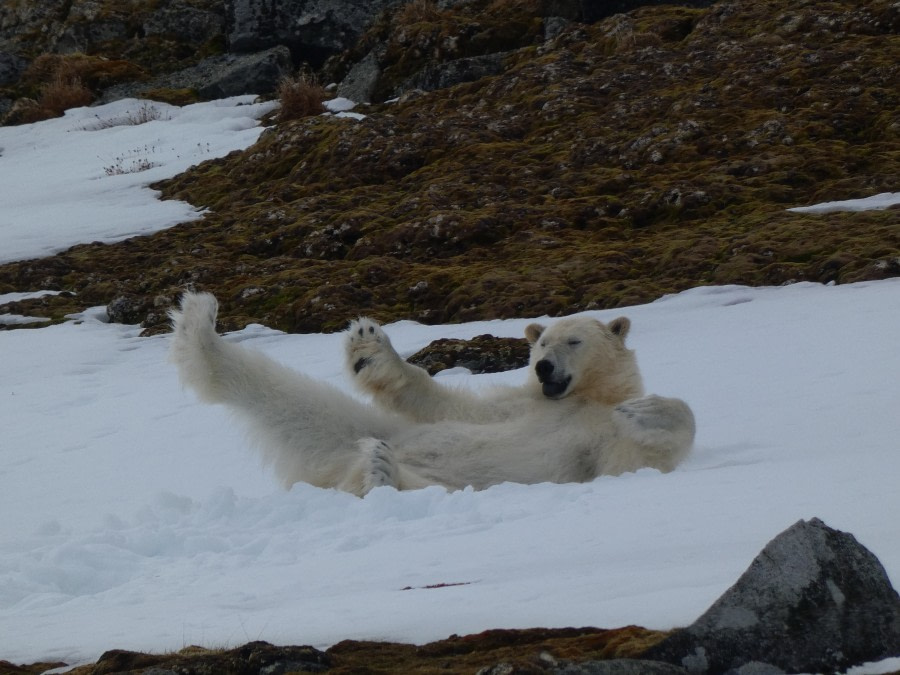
<point>340,104</point>
<point>7,319</point>
<point>879,202</point>
<point>83,177</point>
<point>138,518</point>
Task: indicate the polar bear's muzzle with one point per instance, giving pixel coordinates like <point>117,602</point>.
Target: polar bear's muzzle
<point>552,384</point>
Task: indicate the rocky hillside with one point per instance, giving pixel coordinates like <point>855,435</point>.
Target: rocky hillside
<point>534,164</point>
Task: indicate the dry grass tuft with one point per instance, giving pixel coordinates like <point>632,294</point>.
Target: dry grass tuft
<point>64,92</point>
<point>418,11</point>
<point>56,96</point>
<point>301,96</point>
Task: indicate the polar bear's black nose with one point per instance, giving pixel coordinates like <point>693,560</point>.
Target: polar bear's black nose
<point>544,369</point>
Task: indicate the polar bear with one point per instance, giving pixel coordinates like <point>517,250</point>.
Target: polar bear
<point>580,414</point>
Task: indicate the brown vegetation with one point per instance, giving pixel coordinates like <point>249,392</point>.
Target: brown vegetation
<point>524,652</point>
<point>301,96</point>
<point>58,82</point>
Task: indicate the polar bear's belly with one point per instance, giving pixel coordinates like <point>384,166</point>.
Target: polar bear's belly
<point>558,445</point>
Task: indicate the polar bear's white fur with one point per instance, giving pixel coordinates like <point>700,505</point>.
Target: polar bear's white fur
<point>581,413</point>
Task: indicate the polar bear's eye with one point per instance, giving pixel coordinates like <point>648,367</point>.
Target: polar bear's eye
<point>574,342</point>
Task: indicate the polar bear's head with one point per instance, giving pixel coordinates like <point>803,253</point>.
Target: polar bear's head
<point>580,356</point>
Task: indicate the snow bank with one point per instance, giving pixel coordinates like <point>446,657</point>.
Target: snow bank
<point>83,177</point>
<point>143,521</point>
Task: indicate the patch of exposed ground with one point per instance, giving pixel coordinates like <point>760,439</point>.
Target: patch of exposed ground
<point>643,155</point>
<point>523,652</point>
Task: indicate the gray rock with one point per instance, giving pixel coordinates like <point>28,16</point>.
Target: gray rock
<point>233,74</point>
<point>621,667</point>
<point>443,75</point>
<point>312,29</point>
<point>360,82</point>
<point>11,68</point>
<point>84,36</point>
<point>554,25</point>
<point>184,22</point>
<point>126,309</point>
<point>814,600</point>
<point>218,76</point>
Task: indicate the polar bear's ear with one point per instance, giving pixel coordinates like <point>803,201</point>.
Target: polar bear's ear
<point>620,327</point>
<point>533,332</point>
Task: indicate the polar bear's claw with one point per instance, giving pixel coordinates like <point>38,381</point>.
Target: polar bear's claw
<point>381,470</point>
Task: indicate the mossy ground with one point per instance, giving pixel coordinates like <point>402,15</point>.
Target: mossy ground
<point>525,652</point>
<point>640,156</point>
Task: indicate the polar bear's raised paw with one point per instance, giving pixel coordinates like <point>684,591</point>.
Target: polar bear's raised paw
<point>367,345</point>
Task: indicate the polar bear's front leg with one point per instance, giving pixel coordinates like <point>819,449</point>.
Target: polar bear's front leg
<point>394,384</point>
<point>371,356</point>
<point>659,430</point>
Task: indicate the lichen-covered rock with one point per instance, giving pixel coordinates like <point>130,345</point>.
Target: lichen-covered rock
<point>481,354</point>
<point>215,77</point>
<point>814,600</point>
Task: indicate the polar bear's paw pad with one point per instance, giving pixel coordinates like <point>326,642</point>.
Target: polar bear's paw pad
<point>365,343</point>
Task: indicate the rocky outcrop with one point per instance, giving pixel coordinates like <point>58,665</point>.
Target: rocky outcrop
<point>814,600</point>
<point>151,33</point>
<point>312,29</point>
<point>184,22</point>
<point>216,77</point>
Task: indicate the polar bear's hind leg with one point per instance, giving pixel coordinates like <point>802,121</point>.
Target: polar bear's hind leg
<point>661,429</point>
<point>307,429</point>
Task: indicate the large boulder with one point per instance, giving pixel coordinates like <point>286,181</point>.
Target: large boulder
<point>814,600</point>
